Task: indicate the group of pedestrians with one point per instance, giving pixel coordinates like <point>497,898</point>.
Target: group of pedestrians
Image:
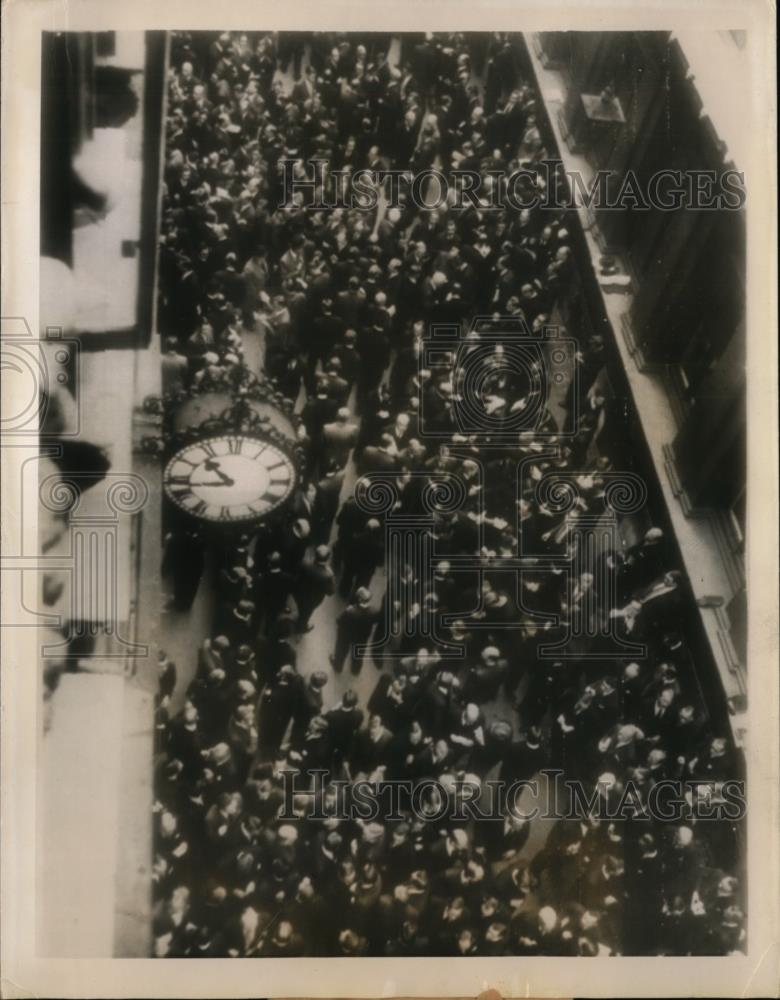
<point>343,302</point>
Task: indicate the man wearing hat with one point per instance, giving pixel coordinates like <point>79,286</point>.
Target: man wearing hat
<point>283,941</point>
<point>361,555</point>
<point>448,849</point>
<point>244,665</point>
<point>354,626</point>
<point>347,354</point>
<point>316,581</point>
<point>441,701</point>
<point>381,457</point>
<point>241,622</point>
<point>292,546</point>
<point>374,348</point>
<point>234,583</point>
<point>310,913</point>
<point>220,770</point>
<point>339,437</point>
<point>223,821</point>
<point>277,705</point>
<point>351,303</point>
<point>308,705</point>
<point>371,746</point>
<point>326,503</point>
<point>644,563</point>
<point>273,585</point>
<point>338,388</point>
<point>255,273</point>
<point>320,409</point>
<point>175,368</point>
<point>210,693</point>
<point>185,741</point>
<point>484,678</point>
<point>344,720</point>
<point>351,944</point>
<point>326,332</point>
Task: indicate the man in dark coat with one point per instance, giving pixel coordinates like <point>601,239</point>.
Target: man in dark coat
<point>354,626</point>
<point>361,555</point>
<point>643,563</point>
<point>277,706</point>
<point>381,457</point>
<point>338,439</point>
<point>326,504</point>
<point>316,581</point>
<point>344,720</point>
<point>308,706</point>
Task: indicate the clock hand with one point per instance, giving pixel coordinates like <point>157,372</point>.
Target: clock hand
<point>225,481</point>
<point>213,466</point>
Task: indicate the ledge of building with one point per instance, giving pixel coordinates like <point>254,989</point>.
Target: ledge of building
<point>711,581</point>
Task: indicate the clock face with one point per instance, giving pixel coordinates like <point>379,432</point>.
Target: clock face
<point>229,478</point>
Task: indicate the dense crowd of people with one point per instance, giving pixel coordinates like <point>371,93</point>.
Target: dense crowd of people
<point>342,301</point>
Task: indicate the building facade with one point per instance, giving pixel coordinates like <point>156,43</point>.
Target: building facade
<point>634,105</point>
